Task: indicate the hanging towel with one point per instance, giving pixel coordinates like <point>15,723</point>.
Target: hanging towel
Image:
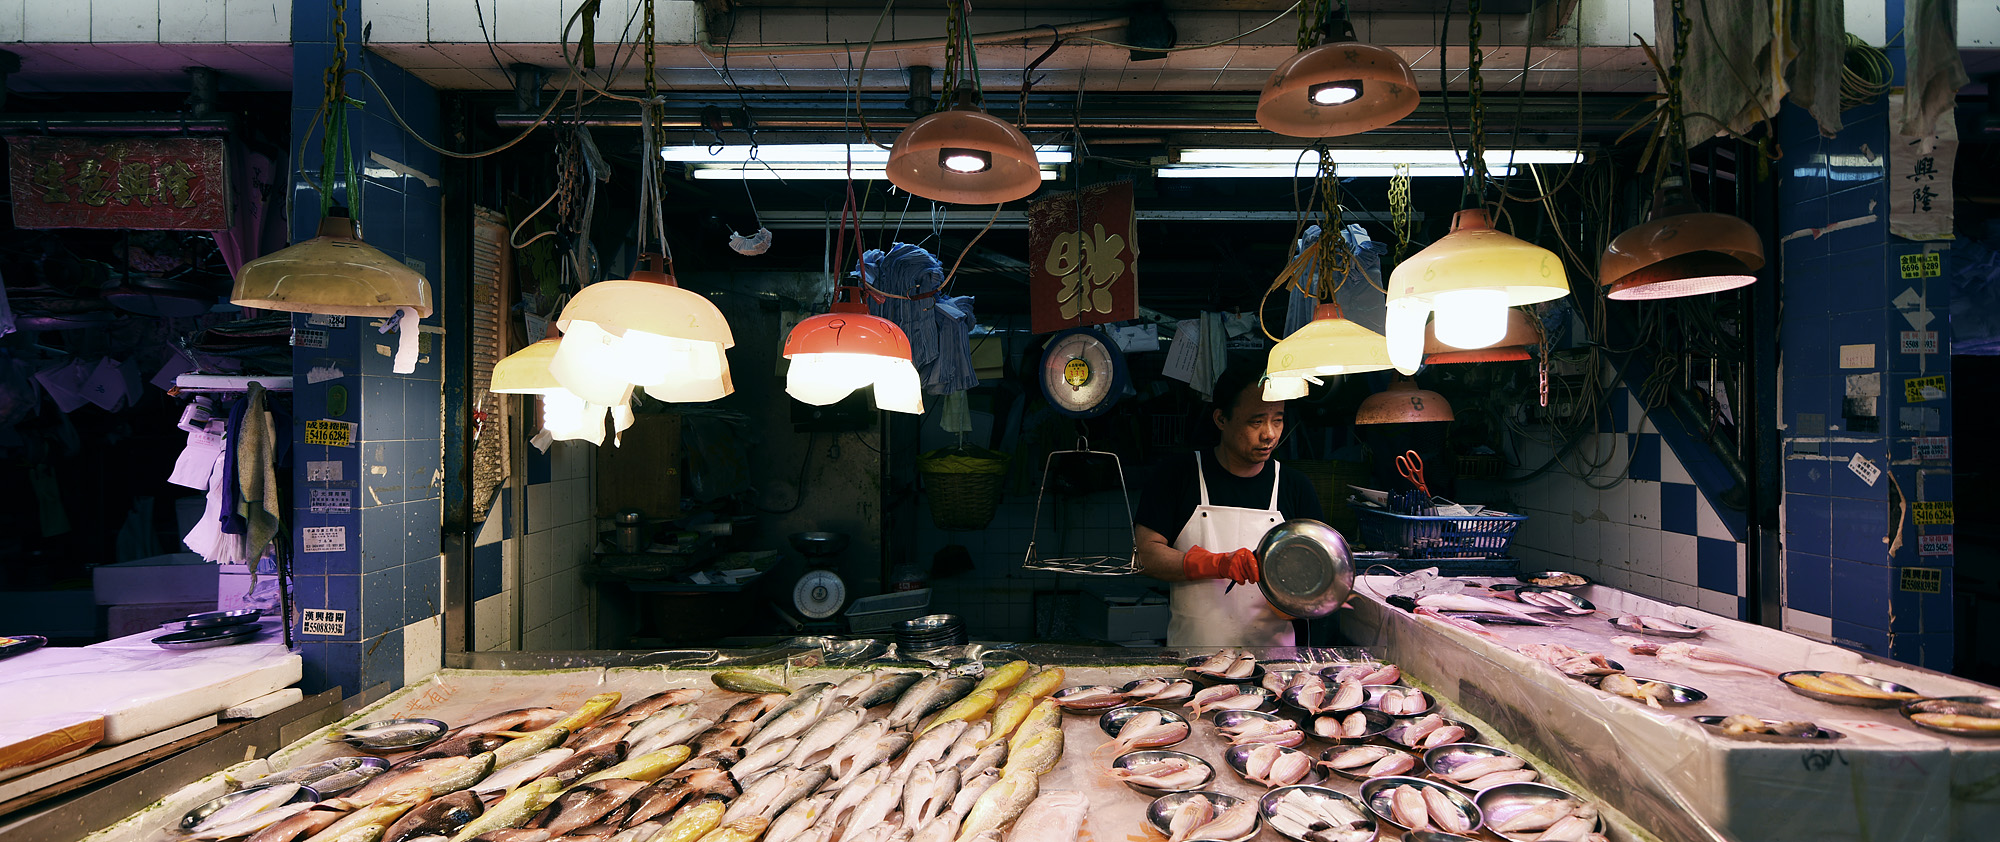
<point>1935,71</point>
<point>1819,31</point>
<point>1365,273</point>
<point>939,327</point>
<point>253,447</point>
<point>1735,70</point>
<point>951,370</point>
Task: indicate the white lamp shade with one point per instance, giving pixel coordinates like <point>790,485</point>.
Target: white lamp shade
<point>570,418</point>
<point>1471,318</point>
<point>1280,388</point>
<point>821,379</point>
<point>1403,324</point>
<point>591,363</point>
<point>693,389</point>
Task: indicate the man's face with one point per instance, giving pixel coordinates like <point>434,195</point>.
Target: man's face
<point>1252,428</point>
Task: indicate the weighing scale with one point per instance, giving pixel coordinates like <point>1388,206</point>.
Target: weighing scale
<point>813,601</point>
<point>1082,373</point>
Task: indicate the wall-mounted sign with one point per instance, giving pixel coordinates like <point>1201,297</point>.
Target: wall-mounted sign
<point>330,433</point>
<point>1083,258</point>
<point>1937,513</point>
<point>321,621</point>
<point>1923,580</point>
<point>142,183</point>
<point>1934,545</point>
<point>1920,389</point>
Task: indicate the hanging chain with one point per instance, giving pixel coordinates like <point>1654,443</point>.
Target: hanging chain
<point>646,32</point>
<point>336,145</point>
<point>1312,21</point>
<point>1477,91</point>
<point>1335,259</point>
<point>953,56</point>
<point>650,193</point>
<point>1676,121</point>
<point>1399,209</point>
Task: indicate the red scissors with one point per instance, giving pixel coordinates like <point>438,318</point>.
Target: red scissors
<point>1411,466</point>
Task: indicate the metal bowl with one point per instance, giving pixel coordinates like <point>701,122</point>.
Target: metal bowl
<point>1130,759</point>
<point>1678,694</point>
<point>1508,800</point>
<point>212,619</point>
<point>1305,568</point>
<point>1376,691</point>
<point>208,638</point>
<point>1238,757</point>
<point>1528,578</point>
<point>1360,774</point>
<point>1445,758</point>
<point>416,739</point>
<point>1127,689</point>
<point>1379,723</point>
<point>1395,734</point>
<point>1984,707</point>
<point>1161,811</point>
<point>1267,806</point>
<point>1879,684</point>
<point>1290,698</point>
<point>1714,724</point>
<point>1206,680</point>
<point>1375,793</point>
<point>1082,707</point>
<point>929,625</point>
<point>1228,718</point>
<point>1113,721</point>
<point>327,777</point>
<point>196,816</point>
<point>819,544</point>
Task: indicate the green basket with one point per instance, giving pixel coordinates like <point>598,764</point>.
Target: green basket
<point>964,485</point>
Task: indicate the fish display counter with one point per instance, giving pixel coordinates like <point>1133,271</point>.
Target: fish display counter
<point>1698,726</point>
<point>973,744</point>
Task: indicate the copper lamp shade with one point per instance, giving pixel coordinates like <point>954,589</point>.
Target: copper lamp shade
<point>1336,89</point>
<point>334,273</point>
<point>1403,403</point>
<point>1681,251</point>
<point>966,156</point>
<point>1521,334</point>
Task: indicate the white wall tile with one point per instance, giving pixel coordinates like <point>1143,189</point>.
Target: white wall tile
<point>541,604</point>
<point>1807,623</point>
<point>1678,559</point>
<point>1706,523</point>
<point>572,546</point>
<point>257,22</point>
<point>1643,545</point>
<point>125,21</point>
<point>56,22</point>
<point>537,639</point>
<point>1612,545</point>
<point>541,506</point>
<point>1642,504</point>
<point>1583,538</point>
<point>493,623</point>
<point>399,23</point>
<point>11,22</point>
<point>1671,469</point>
<point>538,558</point>
<point>1717,602</point>
<point>510,564</point>
<point>191,21</point>
<point>423,649</point>
<point>1645,585</point>
<point>1617,577</point>
<point>1678,593</point>
<point>574,500</point>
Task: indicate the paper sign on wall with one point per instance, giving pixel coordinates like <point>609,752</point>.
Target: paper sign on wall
<point>322,621</point>
<point>308,338</point>
<point>1918,342</point>
<point>1934,545</point>
<point>330,433</point>
<point>1920,389</point>
<point>325,539</point>
<point>1857,356</point>
<point>1920,175</point>
<point>1932,447</point>
<point>1923,580</point>
<point>330,501</point>
<point>1925,265</point>
<point>1865,469</point>
<point>1937,513</point>
<point>324,471</point>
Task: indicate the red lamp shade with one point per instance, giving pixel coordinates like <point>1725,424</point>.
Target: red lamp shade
<point>835,353</point>
<point>1337,89</point>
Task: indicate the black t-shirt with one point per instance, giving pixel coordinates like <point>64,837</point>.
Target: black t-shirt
<point>1174,490</point>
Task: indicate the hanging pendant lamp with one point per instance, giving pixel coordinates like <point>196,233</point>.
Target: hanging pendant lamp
<point>564,415</point>
<point>1521,334</point>
<point>1342,87</point>
<point>963,154</point>
<point>1468,278</point>
<point>647,332</point>
<point>833,354</point>
<point>1403,403</point>
<point>334,273</point>
<point>1329,345</point>
<point>1680,251</point>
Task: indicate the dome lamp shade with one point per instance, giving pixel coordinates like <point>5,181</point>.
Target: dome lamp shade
<point>965,156</point>
<point>1328,345</point>
<point>1468,279</point>
<point>1403,403</point>
<point>334,273</point>
<point>1521,334</point>
<point>1680,251</point>
<point>644,331</point>
<point>835,353</point>
<point>1336,89</point>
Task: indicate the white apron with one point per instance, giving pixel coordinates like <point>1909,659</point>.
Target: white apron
<point>1203,614</point>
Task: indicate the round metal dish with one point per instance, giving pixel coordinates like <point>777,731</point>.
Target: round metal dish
<point>1128,688</point>
<point>1290,698</point>
<point>416,738</point>
<point>196,816</point>
<point>1532,578</point>
<point>1206,680</point>
<point>207,638</point>
<point>1375,793</point>
<point>1984,707</point>
<point>1128,760</point>
<point>1443,759</point>
<point>1267,806</point>
<point>1434,836</point>
<point>1714,723</point>
<point>1395,734</point>
<point>1506,801</point>
<point>1680,694</point>
<point>1640,628</point>
<point>1237,758</point>
<point>1565,596</point>
<point>211,619</point>
<point>1114,720</point>
<point>1378,724</point>
<point>1305,568</point>
<point>928,624</point>
<point>320,775</point>
<point>1879,684</point>
<point>1375,692</point>
<point>1361,774</point>
<point>1108,702</point>
<point>1229,718</point>
<point>1161,811</point>
<point>1269,703</point>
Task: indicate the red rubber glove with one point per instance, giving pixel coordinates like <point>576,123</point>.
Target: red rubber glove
<point>1239,566</point>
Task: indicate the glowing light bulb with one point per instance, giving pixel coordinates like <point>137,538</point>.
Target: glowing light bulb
<point>1336,93</point>
<point>1471,318</point>
<point>964,160</point>
<point>1403,326</point>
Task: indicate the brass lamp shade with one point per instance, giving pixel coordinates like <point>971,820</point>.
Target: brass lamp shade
<point>526,372</point>
<point>335,274</point>
<point>1328,345</point>
<point>1403,403</point>
<point>916,164</point>
<point>1521,334</point>
<point>1360,87</point>
<point>1681,251</point>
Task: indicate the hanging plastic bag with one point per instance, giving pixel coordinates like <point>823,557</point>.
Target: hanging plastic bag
<point>753,245</point>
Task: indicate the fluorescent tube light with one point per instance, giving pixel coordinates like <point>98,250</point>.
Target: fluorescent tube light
<point>755,172</point>
<point>1495,158</point>
<point>1311,170</point>
<point>826,154</point>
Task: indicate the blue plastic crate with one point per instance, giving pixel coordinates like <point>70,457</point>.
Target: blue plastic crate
<point>1416,536</point>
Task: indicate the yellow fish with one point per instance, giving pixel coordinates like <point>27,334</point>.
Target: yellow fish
<point>1004,677</point>
<point>969,708</point>
<point>692,823</point>
<point>647,767</point>
<point>1046,715</point>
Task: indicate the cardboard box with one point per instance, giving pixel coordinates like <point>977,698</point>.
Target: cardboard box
<point>1121,618</point>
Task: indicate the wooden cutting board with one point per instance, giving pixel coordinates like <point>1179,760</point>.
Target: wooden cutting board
<point>51,745</point>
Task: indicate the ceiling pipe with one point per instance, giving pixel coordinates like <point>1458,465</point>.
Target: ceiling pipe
<point>707,46</point>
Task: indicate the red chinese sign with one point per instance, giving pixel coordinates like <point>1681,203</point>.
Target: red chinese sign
<point>149,183</point>
<point>1083,253</point>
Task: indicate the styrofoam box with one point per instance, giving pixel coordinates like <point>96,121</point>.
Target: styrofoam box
<point>1122,618</point>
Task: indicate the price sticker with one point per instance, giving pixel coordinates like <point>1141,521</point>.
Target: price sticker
<point>330,471</point>
<point>1918,342</point>
<point>308,338</point>
<point>1934,545</point>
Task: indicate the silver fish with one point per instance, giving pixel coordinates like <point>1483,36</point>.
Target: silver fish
<point>721,738</point>
<point>855,685</point>
<point>943,828</point>
<point>990,757</point>
<point>970,789</point>
<point>658,722</point>
<point>673,735</point>
<point>799,816</point>
<point>929,747</point>
<point>785,788</point>
<point>522,772</point>
<point>753,708</point>
<point>798,697</point>
<point>967,744</point>
<point>825,734</point>
<point>1054,816</point>
<point>889,685</point>
<point>878,753</point>
<point>930,693</point>
<point>851,795</point>
<point>875,808</point>
<point>655,703</point>
<point>928,794</point>
<point>770,756</point>
<point>792,722</point>
<point>585,805</point>
<point>251,813</point>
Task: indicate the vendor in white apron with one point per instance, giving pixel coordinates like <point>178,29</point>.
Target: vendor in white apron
<point>1201,516</point>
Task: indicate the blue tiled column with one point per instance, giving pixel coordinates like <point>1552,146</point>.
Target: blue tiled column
<point>1851,545</point>
<point>376,563</point>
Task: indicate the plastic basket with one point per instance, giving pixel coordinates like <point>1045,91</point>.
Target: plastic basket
<point>1414,536</point>
<point>963,486</point>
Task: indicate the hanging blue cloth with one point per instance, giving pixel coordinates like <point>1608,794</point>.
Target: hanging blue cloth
<point>939,327</point>
<point>1366,269</point>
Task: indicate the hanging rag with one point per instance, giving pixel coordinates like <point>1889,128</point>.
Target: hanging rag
<point>752,245</point>
<point>1364,279</point>
<point>939,327</point>
<point>253,447</point>
<point>1935,71</point>
<point>409,327</point>
<point>207,539</point>
<point>951,370</point>
<point>1212,355</point>
<point>1734,76</point>
<point>1819,32</point>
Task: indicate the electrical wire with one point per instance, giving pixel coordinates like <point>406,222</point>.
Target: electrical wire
<point>398,116</point>
<point>1187,47</point>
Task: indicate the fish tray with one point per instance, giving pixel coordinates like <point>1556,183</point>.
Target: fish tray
<point>1436,536</point>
